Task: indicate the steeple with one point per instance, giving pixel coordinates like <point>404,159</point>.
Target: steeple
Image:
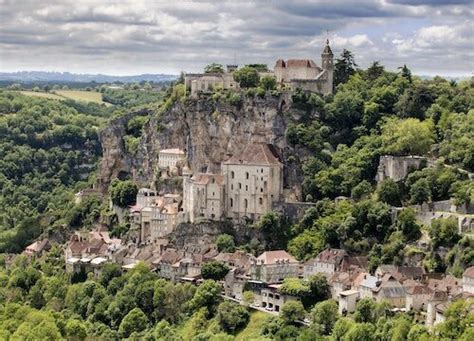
<point>327,49</point>
<point>327,63</point>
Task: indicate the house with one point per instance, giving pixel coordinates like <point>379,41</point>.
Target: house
<point>339,282</point>
<point>167,265</point>
<point>327,263</point>
<point>274,267</point>
<point>271,299</point>
<point>389,289</point>
<point>368,284</point>
<point>435,298</point>
<point>347,301</point>
<point>38,247</point>
<point>417,296</point>
<point>468,280</point>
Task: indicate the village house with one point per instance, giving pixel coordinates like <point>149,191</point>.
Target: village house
<point>368,284</point>
<point>435,299</point>
<point>327,263</point>
<point>37,248</point>
<point>468,280</point>
<point>84,247</point>
<point>417,296</point>
<point>271,299</point>
<point>155,216</point>
<point>389,289</point>
<point>274,267</point>
<point>347,301</point>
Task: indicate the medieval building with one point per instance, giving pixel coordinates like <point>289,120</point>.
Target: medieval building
<point>250,183</point>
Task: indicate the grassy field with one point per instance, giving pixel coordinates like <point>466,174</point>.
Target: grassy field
<point>85,96</point>
<point>41,94</point>
<point>76,95</point>
<point>252,330</point>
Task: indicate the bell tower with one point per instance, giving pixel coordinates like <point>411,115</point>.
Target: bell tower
<point>327,63</point>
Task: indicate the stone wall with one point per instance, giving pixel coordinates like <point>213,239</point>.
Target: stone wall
<point>293,210</point>
<point>398,167</point>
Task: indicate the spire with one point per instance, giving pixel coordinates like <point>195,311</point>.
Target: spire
<point>327,48</point>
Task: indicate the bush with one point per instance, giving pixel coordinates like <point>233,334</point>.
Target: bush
<point>232,316</point>
<point>247,77</point>
<point>123,193</point>
<point>268,82</point>
<point>225,243</point>
<point>214,270</point>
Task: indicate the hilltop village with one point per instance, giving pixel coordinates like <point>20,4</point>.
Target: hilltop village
<point>177,221</point>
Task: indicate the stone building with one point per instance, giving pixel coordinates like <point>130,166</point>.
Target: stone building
<point>249,184</point>
<point>169,158</point>
<point>202,82</point>
<point>254,181</point>
<point>203,196</point>
<point>468,280</point>
<point>327,262</point>
<point>274,267</point>
<point>155,216</point>
<point>305,74</point>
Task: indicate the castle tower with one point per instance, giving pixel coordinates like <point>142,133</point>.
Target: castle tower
<point>327,63</point>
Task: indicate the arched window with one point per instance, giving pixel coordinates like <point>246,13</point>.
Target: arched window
<point>232,175</point>
<point>246,203</point>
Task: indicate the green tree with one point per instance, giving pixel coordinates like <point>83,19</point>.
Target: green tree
<point>405,72</point>
<point>207,295</point>
<point>341,327</point>
<point>365,310</point>
<point>225,243</point>
<point>123,193</point>
<point>406,223</point>
<point>109,271</point>
<point>344,67</point>
<point>325,314</point>
<point>134,321</point>
<point>231,316</point>
<point>268,82</point>
<point>361,332</point>
<point>75,330</point>
<point>407,137</point>
<point>214,68</point>
<point>374,71</point>
<point>292,311</point>
<point>247,77</point>
<point>444,232</point>
<point>389,192</point>
<point>420,192</point>
<point>214,270</point>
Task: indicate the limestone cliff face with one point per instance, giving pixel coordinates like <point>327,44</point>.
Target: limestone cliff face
<point>209,130</point>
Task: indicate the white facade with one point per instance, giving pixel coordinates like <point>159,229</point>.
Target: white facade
<point>468,280</point>
<point>347,301</point>
<point>168,158</point>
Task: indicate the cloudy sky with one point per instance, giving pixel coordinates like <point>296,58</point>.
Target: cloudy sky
<point>157,36</point>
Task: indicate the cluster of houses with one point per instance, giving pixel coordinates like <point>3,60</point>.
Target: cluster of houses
<point>404,287</point>
<point>293,73</point>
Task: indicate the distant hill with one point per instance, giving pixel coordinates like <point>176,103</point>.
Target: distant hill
<point>67,77</point>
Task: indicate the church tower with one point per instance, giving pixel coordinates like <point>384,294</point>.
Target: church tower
<point>327,63</point>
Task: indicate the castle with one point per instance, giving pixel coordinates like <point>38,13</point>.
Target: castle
<point>302,74</point>
<point>249,183</point>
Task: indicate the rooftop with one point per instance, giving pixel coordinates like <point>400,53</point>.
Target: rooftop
<point>260,154</point>
<point>172,151</point>
<point>273,257</point>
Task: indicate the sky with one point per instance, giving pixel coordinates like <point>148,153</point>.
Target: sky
<point>125,37</point>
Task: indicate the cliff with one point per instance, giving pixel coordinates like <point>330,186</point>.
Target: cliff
<point>209,130</point>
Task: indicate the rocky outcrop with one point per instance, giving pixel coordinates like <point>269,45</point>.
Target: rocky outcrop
<point>209,130</point>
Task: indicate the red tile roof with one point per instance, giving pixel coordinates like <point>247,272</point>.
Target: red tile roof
<point>272,257</point>
<point>260,154</point>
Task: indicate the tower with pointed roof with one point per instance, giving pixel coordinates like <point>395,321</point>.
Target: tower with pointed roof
<point>327,63</point>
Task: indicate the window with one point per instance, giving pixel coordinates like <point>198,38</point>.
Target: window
<point>246,175</point>
<point>240,185</point>
<point>231,202</point>
<point>246,187</point>
<point>231,186</point>
<point>260,201</point>
<point>246,203</point>
<point>232,174</point>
